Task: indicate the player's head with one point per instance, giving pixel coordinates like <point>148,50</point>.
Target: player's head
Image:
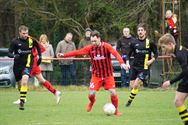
<point>141,31</point>
<point>167,43</point>
<point>126,32</point>
<point>23,32</point>
<point>95,38</point>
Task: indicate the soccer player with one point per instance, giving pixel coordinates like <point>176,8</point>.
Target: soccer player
<point>168,46</point>
<point>141,49</point>
<point>99,52</point>
<point>21,50</point>
<point>36,72</point>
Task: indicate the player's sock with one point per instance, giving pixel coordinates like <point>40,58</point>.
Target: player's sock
<point>23,93</point>
<point>114,100</point>
<point>47,85</point>
<point>183,114</point>
<point>132,96</point>
<point>92,101</point>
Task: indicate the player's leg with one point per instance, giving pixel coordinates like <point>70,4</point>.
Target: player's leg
<point>109,84</point>
<point>141,75</point>
<point>95,84</point>
<point>179,102</point>
<point>114,100</point>
<point>18,84</point>
<point>17,69</point>
<point>48,86</point>
<point>23,91</point>
<point>134,91</point>
<point>91,97</point>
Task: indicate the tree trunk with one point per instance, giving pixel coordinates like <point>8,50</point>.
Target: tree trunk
<point>7,24</point>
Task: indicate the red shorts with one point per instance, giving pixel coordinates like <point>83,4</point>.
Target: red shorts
<point>35,71</point>
<point>97,82</point>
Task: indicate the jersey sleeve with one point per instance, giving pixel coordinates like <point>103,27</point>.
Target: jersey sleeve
<point>11,49</point>
<point>114,52</point>
<point>182,59</point>
<point>82,51</point>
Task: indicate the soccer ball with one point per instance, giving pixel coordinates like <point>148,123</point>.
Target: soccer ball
<point>109,109</point>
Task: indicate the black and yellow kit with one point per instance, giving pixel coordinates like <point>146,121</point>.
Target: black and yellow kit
<point>142,51</point>
<point>181,54</point>
<point>21,51</point>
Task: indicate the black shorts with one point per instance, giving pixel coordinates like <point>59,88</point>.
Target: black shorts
<point>183,86</point>
<point>19,71</point>
<point>139,73</point>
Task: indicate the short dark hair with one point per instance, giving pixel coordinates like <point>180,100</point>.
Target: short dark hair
<point>95,33</point>
<point>143,25</point>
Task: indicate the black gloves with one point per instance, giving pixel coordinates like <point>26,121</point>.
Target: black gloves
<point>39,60</point>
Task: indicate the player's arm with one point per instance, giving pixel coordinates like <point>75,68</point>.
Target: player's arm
<point>117,55</point>
<point>11,50</point>
<point>155,52</point>
<point>182,58</point>
<point>82,51</point>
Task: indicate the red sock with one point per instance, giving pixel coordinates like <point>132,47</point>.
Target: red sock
<point>47,85</point>
<point>91,98</point>
<point>114,100</point>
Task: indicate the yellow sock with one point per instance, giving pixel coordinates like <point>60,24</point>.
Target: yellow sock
<point>183,113</point>
<point>23,93</point>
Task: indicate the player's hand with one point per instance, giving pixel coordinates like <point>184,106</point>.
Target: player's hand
<point>39,60</point>
<point>128,65</point>
<point>149,62</point>
<point>166,84</point>
<point>124,66</point>
<point>59,55</point>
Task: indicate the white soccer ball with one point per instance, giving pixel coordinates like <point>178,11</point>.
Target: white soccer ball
<point>109,109</point>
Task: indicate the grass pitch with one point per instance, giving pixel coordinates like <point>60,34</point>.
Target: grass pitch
<point>150,107</point>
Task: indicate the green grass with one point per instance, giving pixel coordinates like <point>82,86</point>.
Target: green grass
<point>150,107</point>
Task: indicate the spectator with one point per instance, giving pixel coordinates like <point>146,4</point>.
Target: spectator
<point>85,64</point>
<point>123,49</point>
<point>63,46</point>
<point>171,20</point>
<point>46,65</point>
